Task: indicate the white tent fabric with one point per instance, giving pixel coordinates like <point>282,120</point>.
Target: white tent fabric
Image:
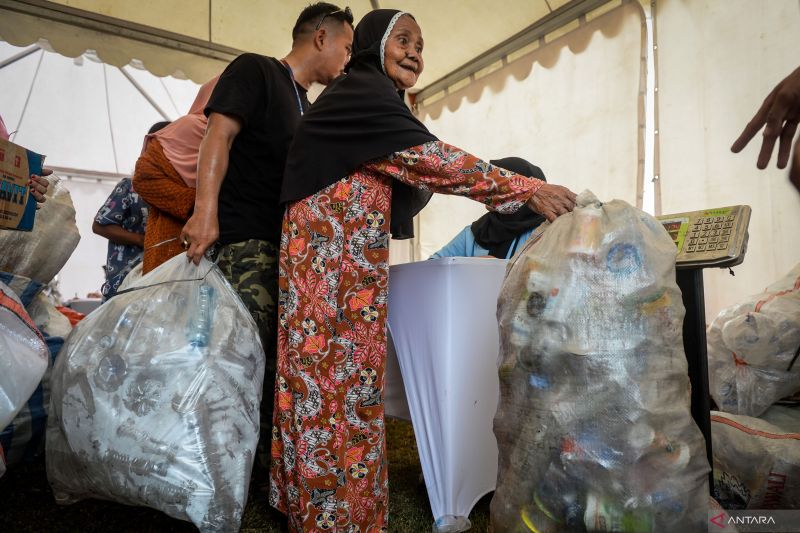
<point>89,117</point>
<point>81,113</point>
<point>22,29</point>
<point>717,62</point>
<point>571,107</point>
<point>455,30</point>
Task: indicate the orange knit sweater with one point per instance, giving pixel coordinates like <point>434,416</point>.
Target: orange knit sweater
<point>171,202</point>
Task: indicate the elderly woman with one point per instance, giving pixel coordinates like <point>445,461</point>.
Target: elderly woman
<point>360,166</point>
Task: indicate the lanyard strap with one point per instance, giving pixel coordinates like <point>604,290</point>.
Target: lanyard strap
<point>294,86</point>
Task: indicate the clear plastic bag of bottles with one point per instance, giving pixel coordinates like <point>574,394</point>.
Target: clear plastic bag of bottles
<point>593,424</point>
<point>23,356</point>
<point>754,349</point>
<point>155,399</point>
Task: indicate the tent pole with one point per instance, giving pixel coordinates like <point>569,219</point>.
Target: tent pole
<point>28,97</point>
<point>89,175</point>
<point>110,125</point>
<point>171,100</point>
<point>16,57</point>
<point>144,93</point>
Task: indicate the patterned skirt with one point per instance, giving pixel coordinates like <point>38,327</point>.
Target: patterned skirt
<point>328,449</point>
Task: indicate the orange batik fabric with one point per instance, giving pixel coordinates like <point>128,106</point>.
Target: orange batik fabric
<point>329,469</point>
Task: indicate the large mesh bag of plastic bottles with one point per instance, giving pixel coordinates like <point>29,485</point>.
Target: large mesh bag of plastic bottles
<point>23,356</point>
<point>155,399</point>
<point>593,424</point>
<point>756,463</point>
<point>23,438</point>
<point>754,349</point>
<point>41,253</point>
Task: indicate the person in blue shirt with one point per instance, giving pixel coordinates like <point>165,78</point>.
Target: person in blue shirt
<point>121,220</point>
<point>495,234</point>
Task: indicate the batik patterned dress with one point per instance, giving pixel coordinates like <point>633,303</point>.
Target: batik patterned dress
<point>328,449</point>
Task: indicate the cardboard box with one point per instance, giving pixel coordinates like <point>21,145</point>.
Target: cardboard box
<point>17,204</point>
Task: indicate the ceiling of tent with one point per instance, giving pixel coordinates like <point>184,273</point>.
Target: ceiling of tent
<point>126,52</point>
<point>83,115</point>
<point>195,39</point>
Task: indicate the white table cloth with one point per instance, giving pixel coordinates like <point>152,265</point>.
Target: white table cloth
<point>443,324</point>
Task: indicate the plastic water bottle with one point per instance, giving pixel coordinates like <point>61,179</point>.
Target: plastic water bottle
<point>200,328</point>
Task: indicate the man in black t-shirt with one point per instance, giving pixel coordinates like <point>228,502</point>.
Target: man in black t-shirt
<point>252,115</point>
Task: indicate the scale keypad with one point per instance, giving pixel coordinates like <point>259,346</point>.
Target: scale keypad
<point>709,233</point>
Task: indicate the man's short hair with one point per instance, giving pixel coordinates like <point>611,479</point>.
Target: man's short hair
<point>312,15</point>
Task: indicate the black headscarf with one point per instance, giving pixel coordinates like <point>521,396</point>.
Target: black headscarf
<point>361,116</point>
<point>496,231</point>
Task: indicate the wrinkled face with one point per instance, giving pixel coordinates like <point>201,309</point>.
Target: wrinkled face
<point>403,53</point>
<point>336,47</point>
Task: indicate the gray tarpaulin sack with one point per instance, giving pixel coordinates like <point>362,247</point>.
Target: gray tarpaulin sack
<point>756,461</point>
<point>23,439</point>
<point>23,358</point>
<point>40,254</point>
<point>593,425</point>
<point>155,399</point>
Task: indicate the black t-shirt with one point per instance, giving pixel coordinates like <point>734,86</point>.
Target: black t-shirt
<point>259,91</point>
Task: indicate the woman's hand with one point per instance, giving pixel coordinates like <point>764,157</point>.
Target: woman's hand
<point>39,185</point>
<point>552,201</point>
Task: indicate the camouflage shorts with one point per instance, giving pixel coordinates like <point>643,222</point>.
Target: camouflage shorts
<point>251,267</point>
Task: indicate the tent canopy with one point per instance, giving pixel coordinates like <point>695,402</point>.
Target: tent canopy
<point>187,38</point>
<point>84,115</point>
